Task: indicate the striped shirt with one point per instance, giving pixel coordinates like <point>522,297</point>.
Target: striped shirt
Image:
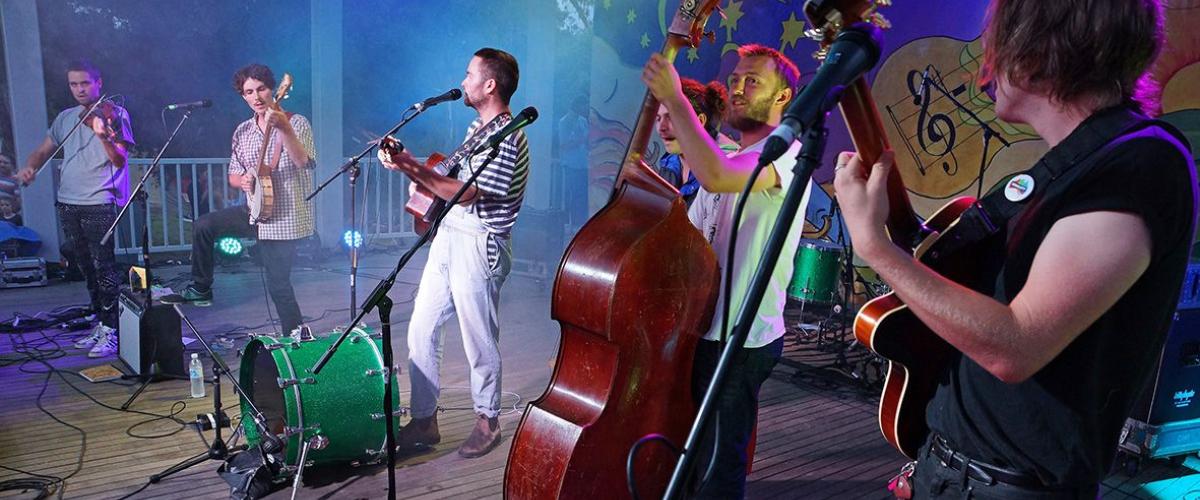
<point>501,186</point>
<point>292,217</point>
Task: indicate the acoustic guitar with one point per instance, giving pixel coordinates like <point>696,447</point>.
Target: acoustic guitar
<point>422,203</point>
<point>915,354</point>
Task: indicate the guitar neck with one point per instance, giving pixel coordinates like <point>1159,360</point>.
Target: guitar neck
<point>866,130</point>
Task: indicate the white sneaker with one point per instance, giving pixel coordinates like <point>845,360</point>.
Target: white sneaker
<point>106,346</point>
<point>98,333</point>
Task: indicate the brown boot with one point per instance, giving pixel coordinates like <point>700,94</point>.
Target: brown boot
<point>419,432</point>
<point>484,437</point>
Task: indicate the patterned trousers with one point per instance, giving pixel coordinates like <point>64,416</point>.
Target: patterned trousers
<point>84,226</point>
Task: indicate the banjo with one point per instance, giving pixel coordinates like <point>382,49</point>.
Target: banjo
<point>261,198</point>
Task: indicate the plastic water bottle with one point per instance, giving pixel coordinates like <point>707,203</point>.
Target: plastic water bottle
<point>197,375</point>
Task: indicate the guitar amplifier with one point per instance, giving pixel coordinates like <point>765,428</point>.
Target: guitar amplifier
<point>1166,419</point>
<point>22,272</point>
<point>1189,296</point>
<point>149,336</point>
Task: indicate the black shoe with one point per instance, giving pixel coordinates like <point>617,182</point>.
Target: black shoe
<point>189,295</point>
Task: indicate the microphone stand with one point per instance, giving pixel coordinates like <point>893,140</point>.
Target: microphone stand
<point>379,298</point>
<point>139,194</point>
<point>352,169</point>
<point>988,131</point>
<point>218,450</point>
<point>810,158</point>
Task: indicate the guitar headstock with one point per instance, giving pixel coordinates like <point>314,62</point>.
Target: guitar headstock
<point>828,17</point>
<point>390,145</point>
<point>689,21</point>
<point>284,88</point>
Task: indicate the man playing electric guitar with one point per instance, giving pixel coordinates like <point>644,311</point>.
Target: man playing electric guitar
<point>469,258</point>
<point>290,149</point>
<point>1055,347</point>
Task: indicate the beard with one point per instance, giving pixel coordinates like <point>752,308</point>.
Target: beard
<point>754,115</point>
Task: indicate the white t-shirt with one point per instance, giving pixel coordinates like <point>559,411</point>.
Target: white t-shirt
<point>712,213</point>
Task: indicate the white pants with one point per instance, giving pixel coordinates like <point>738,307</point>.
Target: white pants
<point>458,280</point>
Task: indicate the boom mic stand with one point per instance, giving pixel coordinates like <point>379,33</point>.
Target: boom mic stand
<point>380,299</point>
<point>218,450</point>
<point>352,170</point>
<point>139,193</point>
<point>810,158</point>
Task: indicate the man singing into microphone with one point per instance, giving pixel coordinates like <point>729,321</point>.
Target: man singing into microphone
<point>290,149</point>
<point>95,181</point>
<point>469,258</point>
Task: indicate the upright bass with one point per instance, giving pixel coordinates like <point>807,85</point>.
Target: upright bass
<point>634,292</point>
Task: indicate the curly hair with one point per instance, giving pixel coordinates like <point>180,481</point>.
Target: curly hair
<point>255,71</point>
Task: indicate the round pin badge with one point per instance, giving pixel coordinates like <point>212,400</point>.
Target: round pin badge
<point>1019,188</point>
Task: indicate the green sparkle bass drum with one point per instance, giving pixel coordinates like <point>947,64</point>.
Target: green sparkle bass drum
<point>344,403</point>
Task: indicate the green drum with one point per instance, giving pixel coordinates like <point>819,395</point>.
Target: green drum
<point>818,267</point>
<point>344,403</point>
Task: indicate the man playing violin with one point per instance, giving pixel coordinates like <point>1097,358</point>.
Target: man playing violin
<point>290,148</point>
<point>95,180</point>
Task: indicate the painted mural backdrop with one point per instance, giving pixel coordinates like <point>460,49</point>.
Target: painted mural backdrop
<point>947,137</point>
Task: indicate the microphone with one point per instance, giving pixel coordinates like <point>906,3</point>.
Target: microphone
<point>854,51</point>
<point>204,103</point>
<point>450,95</point>
<point>522,120</point>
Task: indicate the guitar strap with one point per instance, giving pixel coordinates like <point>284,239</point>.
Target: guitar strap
<point>989,215</point>
<point>450,166</point>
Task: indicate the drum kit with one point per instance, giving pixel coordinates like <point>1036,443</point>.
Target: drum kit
<point>331,418</point>
<point>293,418</point>
<point>816,295</point>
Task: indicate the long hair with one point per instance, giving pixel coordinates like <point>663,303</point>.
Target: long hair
<point>1076,49</point>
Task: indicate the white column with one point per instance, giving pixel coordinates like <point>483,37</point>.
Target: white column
<point>27,97</point>
<point>537,89</point>
<point>327,117</point>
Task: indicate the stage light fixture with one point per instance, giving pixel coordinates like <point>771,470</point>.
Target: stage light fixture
<point>229,246</point>
<point>350,238</point>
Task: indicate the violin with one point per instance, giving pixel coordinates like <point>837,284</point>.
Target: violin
<point>109,117</point>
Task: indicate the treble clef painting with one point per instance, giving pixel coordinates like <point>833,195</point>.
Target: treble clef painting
<point>932,107</point>
<point>936,132</point>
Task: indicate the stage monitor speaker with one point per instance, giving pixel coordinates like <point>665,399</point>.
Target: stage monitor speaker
<point>149,335</point>
<point>1172,396</point>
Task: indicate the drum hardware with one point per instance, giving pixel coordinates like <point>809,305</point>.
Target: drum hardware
<point>382,371</point>
<point>289,431</point>
<point>397,412</point>
<point>317,442</point>
<point>275,375</point>
<point>284,383</point>
<point>252,417</point>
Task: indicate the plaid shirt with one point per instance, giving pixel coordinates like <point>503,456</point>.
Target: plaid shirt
<point>292,217</point>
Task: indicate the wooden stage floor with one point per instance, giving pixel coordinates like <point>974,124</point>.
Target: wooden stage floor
<point>817,434</point>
